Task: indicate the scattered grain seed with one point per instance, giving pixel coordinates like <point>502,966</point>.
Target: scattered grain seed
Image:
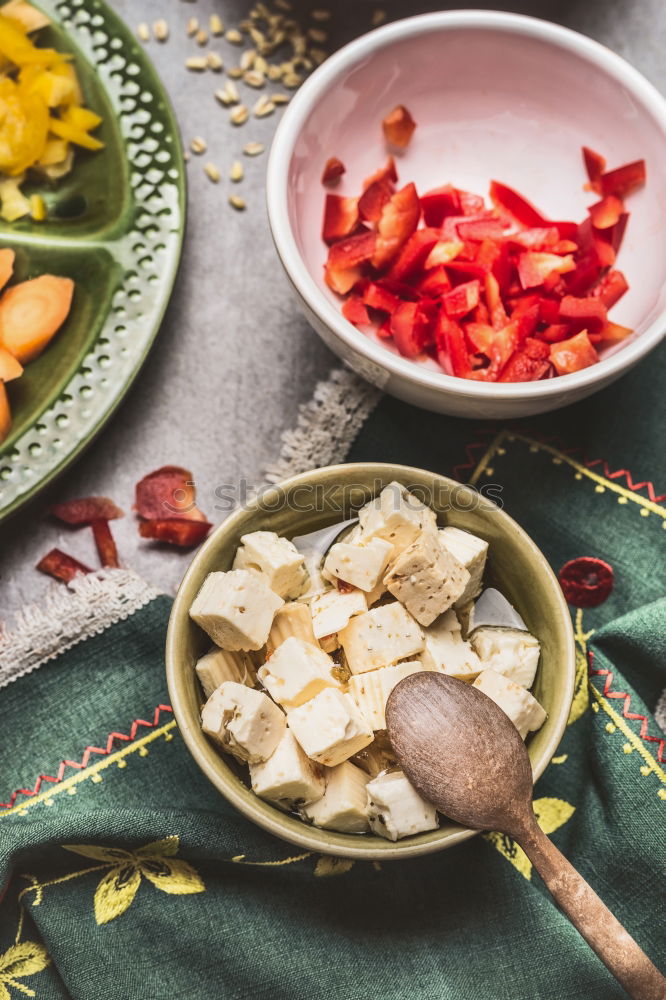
<point>216,25</point>
<point>196,63</point>
<point>192,27</point>
<point>274,72</point>
<point>198,145</point>
<point>318,55</point>
<point>236,173</point>
<point>257,37</point>
<point>263,107</point>
<point>234,37</point>
<point>283,5</point>
<point>292,80</point>
<point>235,72</point>
<point>378,17</point>
<point>161,30</point>
<point>228,94</point>
<point>245,26</point>
<point>253,148</point>
<point>320,14</point>
<point>247,59</point>
<point>279,98</point>
<point>260,65</point>
<point>214,61</point>
<point>143,32</point>
<point>254,79</point>
<point>202,37</point>
<point>186,156</point>
<point>212,173</point>
<point>237,203</point>
<point>317,35</point>
<point>239,115</point>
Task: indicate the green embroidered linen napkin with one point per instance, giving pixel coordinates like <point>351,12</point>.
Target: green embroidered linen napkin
<point>125,876</point>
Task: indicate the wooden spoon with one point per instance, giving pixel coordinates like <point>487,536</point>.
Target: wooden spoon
<point>463,754</point>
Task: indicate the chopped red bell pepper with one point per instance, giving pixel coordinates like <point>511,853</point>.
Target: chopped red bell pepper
<point>527,365</point>
<point>588,313</point>
<point>352,251</point>
<point>333,171</point>
<point>470,204</point>
<point>506,199</point>
<point>481,229</point>
<point>436,282</point>
<point>86,510</point>
<point>555,332</point>
<point>106,546</point>
<point>574,354</point>
<point>411,329</point>
<point>504,343</point>
<point>525,315</point>
<point>355,311</point>
<point>399,127</point>
<point>167,492</point>
<point>623,180</point>
<point>549,310</point>
<point>534,267</point>
<point>342,280</point>
<point>377,297</point>
<point>462,299</point>
<point>494,302</point>
<point>58,564</point>
<point>443,252</point>
<point>413,255</point>
<point>611,288</point>
<point>451,347</point>
<point>340,217</point>
<point>480,337</point>
<point>607,212</point>
<point>595,164</point>
<point>536,238</point>
<point>373,199</point>
<point>439,203</point>
<point>611,333</point>
<point>185,534</point>
<point>387,172</point>
<point>399,219</point>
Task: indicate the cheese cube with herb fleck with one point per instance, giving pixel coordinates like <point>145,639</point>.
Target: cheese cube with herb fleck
<point>344,805</point>
<point>397,516</point>
<point>361,566</point>
<point>245,722</point>
<point>380,637</point>
<point>236,609</point>
<point>395,808</point>
<point>522,708</point>
<point>426,578</point>
<point>370,691</point>
<point>220,665</point>
<point>446,650</point>
<point>512,653</point>
<point>330,727</point>
<point>291,620</point>
<point>471,551</point>
<point>277,558</point>
<point>331,611</point>
<point>297,671</point>
<point>288,778</point>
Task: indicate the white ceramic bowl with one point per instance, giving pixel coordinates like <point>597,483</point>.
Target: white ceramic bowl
<point>496,96</point>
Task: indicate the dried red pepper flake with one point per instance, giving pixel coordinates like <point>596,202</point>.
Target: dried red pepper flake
<point>106,546</point>
<point>399,127</point>
<point>333,171</point>
<point>586,581</point>
<point>86,510</point>
<point>343,586</point>
<point>61,566</point>
<point>185,534</point>
<point>167,493</point>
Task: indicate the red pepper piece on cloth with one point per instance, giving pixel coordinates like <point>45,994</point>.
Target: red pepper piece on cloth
<point>340,217</point>
<point>185,534</point>
<point>86,510</point>
<point>167,493</point>
<point>586,582</point>
<point>106,546</point>
<point>333,171</point>
<point>399,127</point>
<point>58,564</point>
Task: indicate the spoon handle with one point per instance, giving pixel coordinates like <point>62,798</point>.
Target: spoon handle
<point>591,917</point>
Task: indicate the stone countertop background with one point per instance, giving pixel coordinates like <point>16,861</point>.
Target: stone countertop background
<point>234,358</point>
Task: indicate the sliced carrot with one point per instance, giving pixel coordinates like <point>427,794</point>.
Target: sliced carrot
<point>6,265</point>
<point>32,312</point>
<point>5,413</point>
<point>9,367</point>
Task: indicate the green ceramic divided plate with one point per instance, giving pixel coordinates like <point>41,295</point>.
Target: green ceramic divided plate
<point>115,225</point>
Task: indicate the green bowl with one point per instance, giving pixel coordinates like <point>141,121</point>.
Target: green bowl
<point>320,498</point>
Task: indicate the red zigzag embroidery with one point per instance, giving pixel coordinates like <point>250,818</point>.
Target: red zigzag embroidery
<point>83,763</point>
<point>634,716</point>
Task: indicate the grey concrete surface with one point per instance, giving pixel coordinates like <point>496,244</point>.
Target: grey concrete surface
<point>234,358</point>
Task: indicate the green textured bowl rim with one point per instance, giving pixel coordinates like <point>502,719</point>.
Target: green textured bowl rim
<point>212,764</point>
<point>83,21</point>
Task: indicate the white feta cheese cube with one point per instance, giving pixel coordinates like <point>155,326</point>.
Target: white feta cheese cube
<point>370,691</point>
<point>426,578</point>
<point>446,651</point>
<point>331,611</point>
<point>471,551</point>
<point>395,515</point>
<point>330,727</point>
<point>514,654</point>
<point>245,722</point>
<point>220,665</point>
<point>236,609</point>
<point>344,805</point>
<point>361,566</point>
<point>380,637</point>
<point>375,594</point>
<point>277,558</point>
<point>297,671</point>
<point>288,778</point>
<point>522,708</point>
<point>292,620</point>
<point>395,808</point>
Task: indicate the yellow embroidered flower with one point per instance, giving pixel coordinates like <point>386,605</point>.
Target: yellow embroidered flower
<point>550,814</point>
<point>24,959</point>
<point>154,861</point>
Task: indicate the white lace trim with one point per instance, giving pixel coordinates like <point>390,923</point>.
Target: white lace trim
<point>326,425</point>
<point>87,606</point>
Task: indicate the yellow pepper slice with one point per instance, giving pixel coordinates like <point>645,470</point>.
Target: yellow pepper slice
<point>15,46</point>
<point>24,126</point>
<point>55,151</point>
<point>55,89</point>
<point>82,118</point>
<point>24,15</point>
<point>73,134</point>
